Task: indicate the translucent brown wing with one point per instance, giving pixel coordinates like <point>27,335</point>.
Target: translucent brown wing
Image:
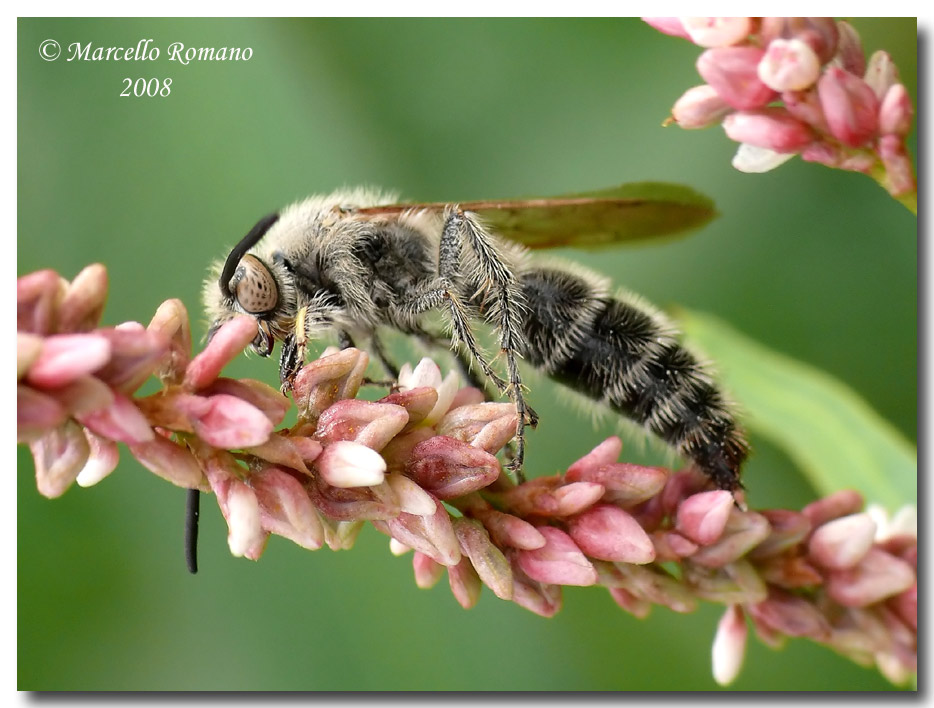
<point>630,212</point>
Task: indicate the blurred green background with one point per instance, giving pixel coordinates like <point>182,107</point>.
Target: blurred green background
<point>816,263</point>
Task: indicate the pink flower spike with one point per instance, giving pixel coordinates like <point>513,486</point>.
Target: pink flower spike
<point>896,112</point>
<point>285,508</point>
<point>703,516</point>
<point>559,562</point>
<point>667,25</point>
<point>843,542</point>
<point>350,464</point>
<point>603,454</point>
<point>226,422</point>
<point>121,421</point>
<point>699,107</point>
<point>771,128</point>
<point>102,460</point>
<point>789,65</point>
<point>608,533</point>
<point>59,456</point>
<point>81,308</point>
<point>427,572</point>
<point>733,73</point>
<point>850,106</point>
<point>66,357</point>
<point>729,645</point>
<point>449,468</point>
<point>365,422</point>
<point>228,341</point>
<point>170,460</point>
<point>756,160</point>
<point>717,31</point>
<point>877,576</point>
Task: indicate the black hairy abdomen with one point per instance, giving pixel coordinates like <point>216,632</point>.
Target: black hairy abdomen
<point>619,353</point>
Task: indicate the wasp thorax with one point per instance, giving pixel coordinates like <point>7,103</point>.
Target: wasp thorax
<point>254,286</point>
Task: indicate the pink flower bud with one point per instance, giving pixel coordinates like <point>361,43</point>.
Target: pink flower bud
<point>487,426</point>
<point>37,297</point>
<point>789,65</point>
<point>59,456</point>
<point>877,576</point>
<point>28,348</point>
<point>672,546</point>
<point>418,403</point>
<point>171,322</point>
<point>81,308</point>
<point>279,449</point>
<point>703,516</point>
<point>833,506</point>
<point>225,422</point>
<point>135,353</point>
<point>398,451</point>
<point>558,562</point>
<point>609,533</point>
<point>102,460</point>
<point>906,606</point>
<point>285,508</point>
<point>820,33</point>
<point>121,421</point>
<point>603,454</point>
<point>729,645</point>
<point>66,357</point>
<point>575,497</point>
<point>733,73</point>
<point>245,536</point>
<point>635,606</point>
<point>626,484</point>
<point>787,529</point>
<point>667,25</point>
<point>448,468</point>
<point>896,111</point>
<point>432,535</point>
<point>465,583</point>
<point>488,561</point>
<point>85,395</point>
<point>267,399</point>
<point>427,572</point>
<point>365,422</point>
<point>509,530</point>
<point>756,160</point>
<point>717,31</point>
<point>341,536</point>
<point>427,374</point>
<point>850,106</point>
<point>36,414</point>
<point>900,174</point>
<point>171,461</point>
<point>805,106</point>
<point>772,128</point>
<point>790,615</point>
<point>850,56</point>
<point>228,341</point>
<point>412,498</point>
<point>350,464</point>
<point>789,572</point>
<point>373,503</point>
<point>843,542</point>
<point>649,584</point>
<point>331,378</point>
<point>881,73</point>
<point>699,107</point>
<point>743,531</point>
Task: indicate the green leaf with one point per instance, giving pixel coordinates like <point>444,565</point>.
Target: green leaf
<point>607,217</point>
<point>830,432</point>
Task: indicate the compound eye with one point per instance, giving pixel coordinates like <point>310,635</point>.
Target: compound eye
<point>254,286</point>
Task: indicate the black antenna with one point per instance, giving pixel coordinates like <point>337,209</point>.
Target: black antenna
<point>191,529</point>
<point>248,241</point>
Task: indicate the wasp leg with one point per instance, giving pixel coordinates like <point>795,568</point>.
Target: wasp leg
<point>377,346</point>
<point>461,231</point>
<point>344,340</point>
<point>463,362</point>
